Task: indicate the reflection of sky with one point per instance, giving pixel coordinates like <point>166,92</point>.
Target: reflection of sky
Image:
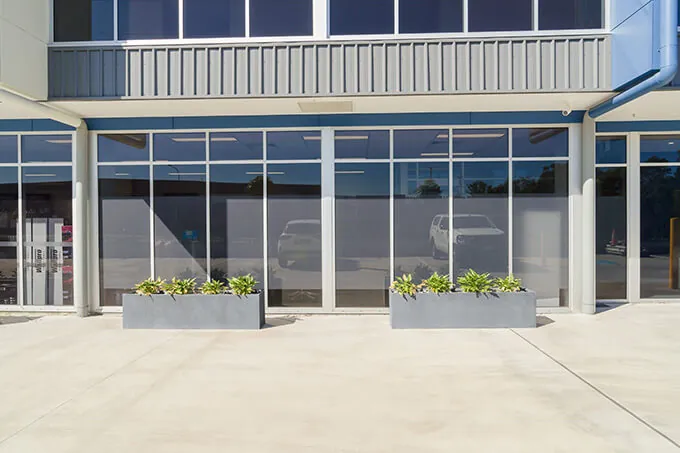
<point>362,180</point>
<point>610,150</point>
<point>306,174</point>
<point>664,148</point>
<point>408,176</point>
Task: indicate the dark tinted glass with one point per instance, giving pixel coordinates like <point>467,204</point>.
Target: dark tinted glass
<point>179,147</point>
<point>294,145</point>
<point>362,144</point>
<point>569,14</point>
<point>8,149</point>
<point>660,148</point>
<point>611,246</point>
<point>499,15</point>
<point>281,18</point>
<point>552,142</point>
<point>148,19</point>
<point>236,221</point>
<point>83,20</point>
<point>360,17</point>
<point>9,205</point>
<point>48,235</point>
<point>423,144</point>
<point>46,148</point>
<point>430,16</point>
<point>124,237</point>
<point>541,229</point>
<point>479,143</point>
<point>123,147</point>
<point>362,249</point>
<point>610,150</point>
<point>214,18</point>
<point>179,222</point>
<point>659,232</point>
<point>236,145</point>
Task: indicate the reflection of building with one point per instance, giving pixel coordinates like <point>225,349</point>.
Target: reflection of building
<point>325,155</point>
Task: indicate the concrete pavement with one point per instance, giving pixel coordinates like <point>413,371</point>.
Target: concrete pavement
<point>605,383</point>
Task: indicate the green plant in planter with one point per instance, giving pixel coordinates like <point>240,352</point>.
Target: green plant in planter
<point>472,282</point>
<point>213,287</point>
<point>150,286</point>
<point>404,285</point>
<point>179,287</point>
<point>438,284</point>
<point>509,284</point>
<point>243,285</point>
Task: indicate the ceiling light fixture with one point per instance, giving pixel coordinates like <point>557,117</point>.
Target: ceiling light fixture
<point>60,141</point>
<point>122,174</point>
<point>254,173</point>
<point>311,137</point>
<point>223,139</point>
<point>187,139</point>
<point>350,172</point>
<point>186,174</point>
<point>434,154</point>
<point>463,154</point>
<point>351,137</point>
<point>40,175</point>
<point>478,135</point>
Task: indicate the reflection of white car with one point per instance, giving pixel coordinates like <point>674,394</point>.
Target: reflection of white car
<point>300,239</point>
<point>471,232</point>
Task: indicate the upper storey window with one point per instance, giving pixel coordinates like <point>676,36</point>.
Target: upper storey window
<point>130,20</point>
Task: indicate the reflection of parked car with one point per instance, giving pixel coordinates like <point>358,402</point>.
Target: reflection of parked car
<point>472,232</point>
<point>619,248</point>
<point>300,239</point>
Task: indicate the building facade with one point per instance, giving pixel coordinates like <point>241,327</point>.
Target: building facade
<point>325,146</point>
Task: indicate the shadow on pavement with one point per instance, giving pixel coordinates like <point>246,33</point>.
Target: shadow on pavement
<point>602,307</point>
<point>16,319</point>
<point>543,321</point>
<point>280,321</point>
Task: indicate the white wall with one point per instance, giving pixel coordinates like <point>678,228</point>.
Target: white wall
<point>24,34</point>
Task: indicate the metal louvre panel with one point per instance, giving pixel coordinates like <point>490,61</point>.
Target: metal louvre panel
<point>546,64</point>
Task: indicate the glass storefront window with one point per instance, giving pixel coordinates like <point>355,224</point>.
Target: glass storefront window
<point>9,207</point>
<point>659,231</point>
<point>123,147</point>
<point>480,217</point>
<point>214,18</point>
<point>541,229</point>
<point>660,148</point>
<point>179,147</point>
<point>236,146</point>
<point>46,148</point>
<point>362,144</point>
<point>421,144</point>
<point>611,245</point>
<point>500,15</point>
<point>148,19</point>
<point>281,18</point>
<point>180,221</point>
<point>540,142</point>
<point>421,219</point>
<point>294,235</point>
<point>236,221</point>
<point>8,149</point>
<point>124,236</point>
<point>480,143</point>
<point>430,16</point>
<point>362,249</point>
<point>359,17</point>
<point>294,145</point>
<point>610,150</point>
<point>569,14</point>
<point>48,235</point>
<point>83,20</point>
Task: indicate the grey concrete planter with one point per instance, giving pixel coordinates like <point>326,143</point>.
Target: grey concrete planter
<point>463,310</point>
<point>194,311</point>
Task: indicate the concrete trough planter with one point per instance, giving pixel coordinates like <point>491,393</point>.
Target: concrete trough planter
<point>463,310</point>
<point>193,311</point>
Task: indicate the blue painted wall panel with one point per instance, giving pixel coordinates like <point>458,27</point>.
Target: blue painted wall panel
<point>635,41</point>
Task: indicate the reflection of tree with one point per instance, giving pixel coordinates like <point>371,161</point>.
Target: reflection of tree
<point>660,200</point>
<point>611,182</point>
<point>429,188</point>
<point>256,187</point>
<point>545,183</point>
<point>482,188</point>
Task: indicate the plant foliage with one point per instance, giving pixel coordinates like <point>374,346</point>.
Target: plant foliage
<point>213,287</point>
<point>472,282</point>
<point>404,285</point>
<point>150,286</point>
<point>509,284</point>
<point>180,286</point>
<point>438,284</point>
<point>243,285</point>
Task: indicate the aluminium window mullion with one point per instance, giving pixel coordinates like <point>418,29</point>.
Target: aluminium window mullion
<point>152,232</point>
<point>534,15</point>
<point>180,19</point>
<point>392,218</point>
<point>247,18</point>
<point>115,20</point>
<point>208,235</point>
<point>20,228</point>
<point>510,204</point>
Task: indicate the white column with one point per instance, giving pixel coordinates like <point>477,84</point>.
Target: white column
<point>328,218</point>
<point>320,16</point>
<point>587,271</point>
<point>575,213</point>
<point>80,220</point>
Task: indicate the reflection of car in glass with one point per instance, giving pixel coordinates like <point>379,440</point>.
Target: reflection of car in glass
<point>300,239</point>
<point>619,248</point>
<point>473,232</point>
